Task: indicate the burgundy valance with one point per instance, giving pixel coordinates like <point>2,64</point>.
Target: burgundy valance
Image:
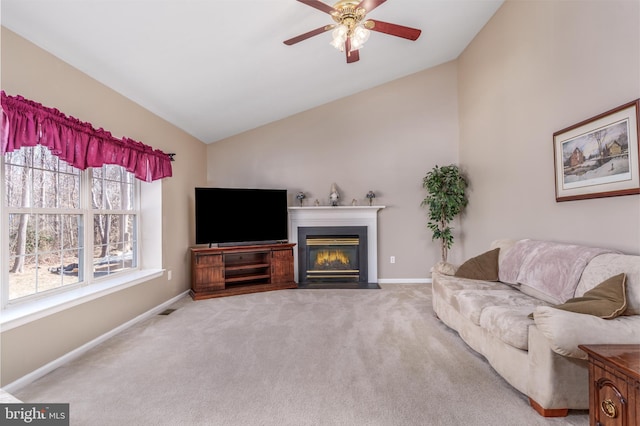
<point>28,123</point>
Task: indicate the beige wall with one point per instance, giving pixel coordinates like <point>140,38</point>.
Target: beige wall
<point>33,73</point>
<point>535,68</point>
<point>384,139</point>
<point>538,67</point>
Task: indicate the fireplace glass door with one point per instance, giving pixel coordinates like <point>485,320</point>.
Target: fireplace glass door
<point>333,258</point>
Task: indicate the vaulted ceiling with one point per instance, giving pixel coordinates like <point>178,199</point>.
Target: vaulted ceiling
<point>216,68</point>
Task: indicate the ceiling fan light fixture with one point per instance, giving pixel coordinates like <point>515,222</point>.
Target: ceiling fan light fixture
<point>340,31</point>
<point>338,44</point>
<point>359,37</point>
<point>339,37</point>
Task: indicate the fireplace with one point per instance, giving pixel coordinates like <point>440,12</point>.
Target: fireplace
<point>332,258</point>
<point>332,254</point>
<point>337,217</point>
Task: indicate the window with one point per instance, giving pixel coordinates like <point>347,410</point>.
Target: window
<point>67,228</point>
<point>114,220</point>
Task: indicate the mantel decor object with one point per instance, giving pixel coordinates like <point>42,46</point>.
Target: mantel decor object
<point>300,196</point>
<point>599,157</point>
<point>371,195</point>
<point>334,195</point>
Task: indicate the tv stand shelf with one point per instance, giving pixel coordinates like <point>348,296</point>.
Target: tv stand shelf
<point>227,271</point>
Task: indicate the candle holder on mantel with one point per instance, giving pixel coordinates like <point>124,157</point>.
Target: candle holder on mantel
<point>371,195</point>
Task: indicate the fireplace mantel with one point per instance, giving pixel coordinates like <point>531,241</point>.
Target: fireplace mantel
<point>338,216</point>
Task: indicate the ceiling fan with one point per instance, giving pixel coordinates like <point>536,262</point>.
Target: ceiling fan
<point>351,30</point>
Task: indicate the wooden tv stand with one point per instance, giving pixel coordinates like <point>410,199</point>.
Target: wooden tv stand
<point>227,271</point>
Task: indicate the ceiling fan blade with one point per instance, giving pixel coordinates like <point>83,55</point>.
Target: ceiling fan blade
<point>393,29</point>
<point>319,5</point>
<point>309,34</point>
<point>352,56</point>
<point>369,5</point>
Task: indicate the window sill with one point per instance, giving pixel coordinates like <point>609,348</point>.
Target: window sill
<point>21,314</point>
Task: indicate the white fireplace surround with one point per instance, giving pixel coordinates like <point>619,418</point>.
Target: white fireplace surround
<point>338,216</point>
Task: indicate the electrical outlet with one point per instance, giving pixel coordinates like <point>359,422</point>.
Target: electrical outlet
<point>169,275</point>
<point>392,259</point>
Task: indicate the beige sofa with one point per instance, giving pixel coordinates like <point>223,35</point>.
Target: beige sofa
<point>539,356</point>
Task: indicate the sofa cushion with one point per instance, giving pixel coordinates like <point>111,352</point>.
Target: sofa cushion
<point>446,286</point>
<point>471,302</point>
<point>606,265</point>
<point>482,267</point>
<point>606,300</point>
<point>508,323</point>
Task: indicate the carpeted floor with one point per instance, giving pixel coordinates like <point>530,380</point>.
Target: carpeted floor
<point>290,357</point>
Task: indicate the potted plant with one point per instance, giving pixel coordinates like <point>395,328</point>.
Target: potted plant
<point>446,198</point>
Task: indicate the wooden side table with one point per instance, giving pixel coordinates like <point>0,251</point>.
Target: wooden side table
<point>614,384</point>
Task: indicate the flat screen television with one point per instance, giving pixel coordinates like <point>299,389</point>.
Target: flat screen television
<point>240,216</point>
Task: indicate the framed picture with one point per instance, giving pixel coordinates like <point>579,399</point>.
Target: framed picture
<point>599,156</point>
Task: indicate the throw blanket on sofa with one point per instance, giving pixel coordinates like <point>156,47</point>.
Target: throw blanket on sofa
<point>552,269</point>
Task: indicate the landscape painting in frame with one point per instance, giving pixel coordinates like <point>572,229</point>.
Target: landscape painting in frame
<point>599,156</point>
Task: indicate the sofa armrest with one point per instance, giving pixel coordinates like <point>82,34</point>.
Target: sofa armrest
<point>445,268</point>
<point>566,330</point>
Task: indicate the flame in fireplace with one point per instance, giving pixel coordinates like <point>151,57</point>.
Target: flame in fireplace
<point>331,257</point>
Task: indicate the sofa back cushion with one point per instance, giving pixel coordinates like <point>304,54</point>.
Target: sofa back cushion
<point>547,270</point>
<point>505,246</point>
<point>604,266</point>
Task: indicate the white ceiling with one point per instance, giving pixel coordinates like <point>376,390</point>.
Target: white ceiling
<point>216,68</point>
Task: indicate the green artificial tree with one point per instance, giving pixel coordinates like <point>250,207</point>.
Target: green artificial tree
<point>446,198</point>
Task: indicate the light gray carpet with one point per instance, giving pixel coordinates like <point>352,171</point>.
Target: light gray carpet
<point>290,357</point>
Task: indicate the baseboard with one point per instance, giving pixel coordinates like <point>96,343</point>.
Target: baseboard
<point>69,356</point>
<point>404,280</point>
